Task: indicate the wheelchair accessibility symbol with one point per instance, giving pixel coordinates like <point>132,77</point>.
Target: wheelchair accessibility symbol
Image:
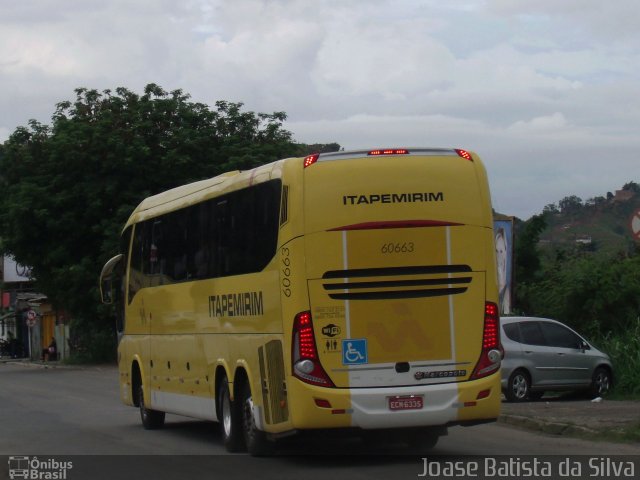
<point>354,351</point>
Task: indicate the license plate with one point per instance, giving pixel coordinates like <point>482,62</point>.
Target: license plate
<point>408,402</point>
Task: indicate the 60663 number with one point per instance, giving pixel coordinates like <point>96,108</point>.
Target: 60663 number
<point>286,272</point>
<point>406,247</point>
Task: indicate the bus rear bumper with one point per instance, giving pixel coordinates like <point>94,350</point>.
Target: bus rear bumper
<point>459,403</point>
<point>444,404</point>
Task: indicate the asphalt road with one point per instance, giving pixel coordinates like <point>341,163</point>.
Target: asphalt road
<point>76,413</point>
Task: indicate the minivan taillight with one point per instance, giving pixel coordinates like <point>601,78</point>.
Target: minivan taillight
<point>304,354</point>
<point>492,352</point>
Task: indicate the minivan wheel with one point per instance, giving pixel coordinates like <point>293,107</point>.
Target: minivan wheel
<point>600,383</point>
<point>518,387</point>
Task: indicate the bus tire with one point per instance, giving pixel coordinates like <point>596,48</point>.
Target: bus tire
<point>230,419</point>
<point>256,440</point>
<point>151,419</point>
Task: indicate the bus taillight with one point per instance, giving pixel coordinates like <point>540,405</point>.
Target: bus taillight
<point>311,159</point>
<point>304,355</point>
<point>491,348</point>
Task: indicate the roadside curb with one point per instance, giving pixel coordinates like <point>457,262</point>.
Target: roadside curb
<point>553,428</point>
<point>55,364</point>
<point>31,364</point>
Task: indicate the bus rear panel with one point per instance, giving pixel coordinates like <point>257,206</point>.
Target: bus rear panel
<point>401,284</point>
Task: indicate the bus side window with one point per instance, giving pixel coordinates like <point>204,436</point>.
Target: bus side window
<point>221,226</point>
<point>241,235</point>
<point>200,245</point>
<point>121,287</point>
<point>156,249</point>
<point>174,243</point>
<point>267,222</point>
<point>136,271</point>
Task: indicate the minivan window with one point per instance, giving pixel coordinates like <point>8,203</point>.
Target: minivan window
<point>559,336</point>
<point>512,332</point>
<point>532,333</point>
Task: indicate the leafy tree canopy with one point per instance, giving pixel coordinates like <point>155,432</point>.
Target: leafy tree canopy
<point>69,187</point>
<point>590,292</point>
<point>526,248</point>
<point>570,204</point>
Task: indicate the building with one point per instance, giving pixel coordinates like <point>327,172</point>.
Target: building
<point>28,321</point>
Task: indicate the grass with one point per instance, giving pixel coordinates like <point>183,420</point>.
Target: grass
<point>624,350</point>
<point>622,396</point>
<point>628,434</point>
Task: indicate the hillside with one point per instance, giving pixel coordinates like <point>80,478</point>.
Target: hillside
<point>600,224</point>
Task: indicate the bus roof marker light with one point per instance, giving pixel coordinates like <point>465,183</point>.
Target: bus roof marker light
<point>310,159</point>
<point>464,154</point>
<point>388,151</point>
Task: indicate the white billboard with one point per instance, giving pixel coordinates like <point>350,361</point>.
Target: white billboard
<point>14,272</point>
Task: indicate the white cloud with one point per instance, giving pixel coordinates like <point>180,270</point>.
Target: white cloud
<point>394,61</point>
<point>543,90</point>
<point>590,20</point>
<point>550,123</point>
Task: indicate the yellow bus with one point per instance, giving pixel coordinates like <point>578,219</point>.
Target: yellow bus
<point>348,290</point>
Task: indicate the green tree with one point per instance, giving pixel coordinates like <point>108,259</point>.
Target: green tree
<point>68,188</point>
<point>527,259</point>
<point>318,148</point>
<point>526,248</point>
<point>596,294</point>
<point>571,204</point>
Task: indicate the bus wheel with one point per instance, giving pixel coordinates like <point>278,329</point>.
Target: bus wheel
<point>151,419</point>
<point>230,419</point>
<point>256,440</point>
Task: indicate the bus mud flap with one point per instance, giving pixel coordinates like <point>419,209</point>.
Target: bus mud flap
<point>274,395</point>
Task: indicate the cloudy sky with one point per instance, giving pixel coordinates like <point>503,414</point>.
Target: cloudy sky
<point>546,91</point>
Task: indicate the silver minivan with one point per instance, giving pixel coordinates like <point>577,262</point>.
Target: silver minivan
<point>544,355</point>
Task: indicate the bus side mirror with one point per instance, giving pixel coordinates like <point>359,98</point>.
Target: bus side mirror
<point>106,279</point>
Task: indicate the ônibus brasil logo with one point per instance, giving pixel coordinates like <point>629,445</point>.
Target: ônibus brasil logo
<point>36,469</point>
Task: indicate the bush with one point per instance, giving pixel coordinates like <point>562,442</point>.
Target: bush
<point>624,350</point>
<point>91,344</point>
<point>599,296</point>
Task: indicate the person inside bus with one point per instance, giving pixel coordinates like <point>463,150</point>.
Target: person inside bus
<point>50,353</point>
